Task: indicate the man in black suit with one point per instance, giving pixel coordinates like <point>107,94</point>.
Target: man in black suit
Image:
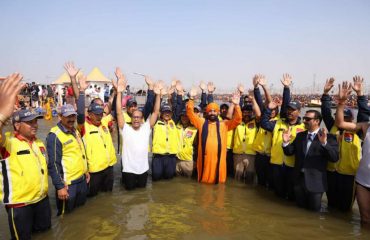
<point>312,149</point>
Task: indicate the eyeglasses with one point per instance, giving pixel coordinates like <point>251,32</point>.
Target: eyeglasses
<point>308,119</point>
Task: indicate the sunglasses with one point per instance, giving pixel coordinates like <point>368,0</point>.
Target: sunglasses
<point>308,119</point>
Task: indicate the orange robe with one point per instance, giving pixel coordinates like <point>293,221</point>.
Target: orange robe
<point>210,161</point>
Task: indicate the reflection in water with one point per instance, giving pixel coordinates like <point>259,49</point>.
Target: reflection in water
<point>184,209</point>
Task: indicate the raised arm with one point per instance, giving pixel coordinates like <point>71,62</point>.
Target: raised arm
<point>157,105</point>
<point>256,108</point>
<point>121,86</point>
<point>344,91</point>
<point>72,72</point>
<point>211,89</point>
<point>9,89</point>
<point>149,104</point>
<point>194,118</point>
<point>286,81</point>
<point>326,104</point>
<point>262,82</point>
<point>203,96</point>
<point>237,116</point>
<point>362,101</point>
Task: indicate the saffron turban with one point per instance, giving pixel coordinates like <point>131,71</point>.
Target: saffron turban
<point>212,106</point>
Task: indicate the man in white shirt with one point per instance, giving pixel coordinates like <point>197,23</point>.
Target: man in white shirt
<point>135,138</point>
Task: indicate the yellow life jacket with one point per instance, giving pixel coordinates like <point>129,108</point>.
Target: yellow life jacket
<point>165,138</point>
<point>186,139</point>
<point>73,155</point>
<point>106,119</point>
<point>230,136</point>
<point>244,136</point>
<point>349,152</point>
<point>263,141</point>
<point>277,155</point>
<point>24,172</point>
<point>100,152</point>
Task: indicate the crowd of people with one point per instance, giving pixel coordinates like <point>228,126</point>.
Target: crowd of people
<point>252,138</point>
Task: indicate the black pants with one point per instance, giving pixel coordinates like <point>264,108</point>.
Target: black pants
<point>331,193</point>
<point>304,198</point>
<point>230,163</point>
<point>263,170</point>
<point>30,218</point>
<point>341,191</point>
<point>77,196</point>
<point>101,181</point>
<point>132,180</point>
<point>163,166</point>
<point>283,181</point>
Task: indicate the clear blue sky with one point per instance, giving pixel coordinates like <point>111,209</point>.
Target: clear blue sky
<point>221,41</point>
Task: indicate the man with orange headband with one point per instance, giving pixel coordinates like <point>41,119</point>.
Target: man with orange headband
<point>211,161</point>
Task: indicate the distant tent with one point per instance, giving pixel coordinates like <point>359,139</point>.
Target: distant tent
<point>64,79</point>
<point>97,76</point>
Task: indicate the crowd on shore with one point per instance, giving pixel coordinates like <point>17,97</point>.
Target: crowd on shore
<point>253,137</point>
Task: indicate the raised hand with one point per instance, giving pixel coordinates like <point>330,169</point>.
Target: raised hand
<point>287,80</point>
<point>9,89</point>
<point>240,88</point>
<point>344,92</point>
<point>164,91</point>
<point>287,135</point>
<point>255,80</point>
<point>235,99</point>
<point>328,85</point>
<point>118,73</point>
<point>82,80</point>
<point>262,80</point>
<point>71,69</point>
<point>179,88</point>
<point>358,85</point>
<point>272,105</point>
<point>193,92</point>
<point>203,86</point>
<point>211,87</point>
<point>158,87</point>
<point>322,135</point>
<point>121,83</point>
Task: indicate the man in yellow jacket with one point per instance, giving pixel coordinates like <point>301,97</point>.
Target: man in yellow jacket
<point>23,174</point>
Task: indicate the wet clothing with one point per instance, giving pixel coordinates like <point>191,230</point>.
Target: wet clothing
<point>24,190</point>
<point>23,221</point>
<point>133,181</point>
<point>163,166</point>
<point>211,161</point>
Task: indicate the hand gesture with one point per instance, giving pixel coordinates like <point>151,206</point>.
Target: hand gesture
<point>71,69</point>
<point>211,87</point>
<point>255,81</point>
<point>121,83</point>
<point>322,135</point>
<point>240,88</point>
<point>344,92</point>
<point>193,92</point>
<point>148,80</point>
<point>272,105</point>
<point>9,89</point>
<point>203,86</point>
<point>164,91</point>
<point>235,99</point>
<point>287,135</point>
<point>262,80</point>
<point>173,82</point>
<point>118,73</point>
<point>287,80</point>
<point>358,85</point>
<point>82,80</point>
<point>179,88</point>
<point>328,85</point>
<point>114,84</point>
<point>158,87</point>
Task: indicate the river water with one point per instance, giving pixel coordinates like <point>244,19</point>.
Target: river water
<point>184,209</point>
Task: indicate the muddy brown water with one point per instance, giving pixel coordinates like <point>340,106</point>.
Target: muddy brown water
<point>184,209</point>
